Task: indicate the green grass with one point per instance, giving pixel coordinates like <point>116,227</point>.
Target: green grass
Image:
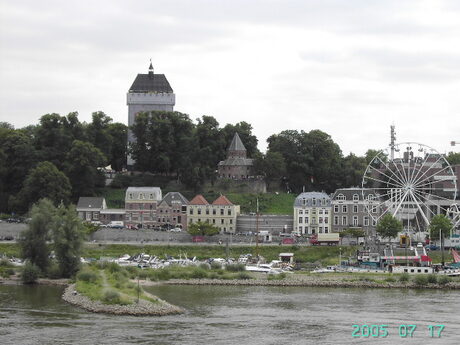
<point>10,249</point>
<point>269,203</point>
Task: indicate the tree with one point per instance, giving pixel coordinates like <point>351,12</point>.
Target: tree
<point>353,170</point>
<point>118,136</point>
<point>244,130</point>
<point>440,224</point>
<point>353,232</point>
<point>81,168</point>
<point>44,181</point>
<point>33,240</point>
<point>98,132</point>
<point>68,232</point>
<point>453,158</point>
<point>202,229</point>
<point>389,226</point>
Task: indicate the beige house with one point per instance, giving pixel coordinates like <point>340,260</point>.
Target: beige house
<point>222,213</point>
<point>141,206</point>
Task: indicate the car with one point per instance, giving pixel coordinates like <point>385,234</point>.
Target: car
<point>176,230</point>
<point>13,220</point>
<point>9,238</point>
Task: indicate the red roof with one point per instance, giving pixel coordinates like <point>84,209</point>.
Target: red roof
<point>222,200</point>
<point>198,200</point>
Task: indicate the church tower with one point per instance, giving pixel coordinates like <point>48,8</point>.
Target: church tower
<point>147,93</point>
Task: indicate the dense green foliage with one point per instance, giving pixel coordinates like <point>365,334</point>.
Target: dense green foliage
<point>389,226</point>
<point>440,224</point>
<point>63,226</point>
<point>30,273</point>
<point>202,229</point>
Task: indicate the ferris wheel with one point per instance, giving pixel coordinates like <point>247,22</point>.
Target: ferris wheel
<point>410,181</point>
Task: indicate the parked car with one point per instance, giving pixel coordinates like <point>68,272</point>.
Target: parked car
<point>13,220</point>
<point>176,230</point>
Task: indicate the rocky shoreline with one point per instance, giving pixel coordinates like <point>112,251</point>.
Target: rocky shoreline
<point>311,283</point>
<point>143,308</point>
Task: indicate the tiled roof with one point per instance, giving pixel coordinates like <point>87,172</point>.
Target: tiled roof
<point>145,83</point>
<point>222,200</point>
<point>174,196</point>
<point>306,199</point>
<point>198,200</point>
<point>90,202</point>
<point>236,144</point>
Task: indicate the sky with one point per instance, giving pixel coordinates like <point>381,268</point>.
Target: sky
<point>350,68</point>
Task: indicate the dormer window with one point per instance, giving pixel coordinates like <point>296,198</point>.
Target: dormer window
<point>341,197</point>
<point>314,201</point>
<point>151,196</point>
<point>141,196</point>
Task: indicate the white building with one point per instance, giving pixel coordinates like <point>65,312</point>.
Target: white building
<point>312,213</point>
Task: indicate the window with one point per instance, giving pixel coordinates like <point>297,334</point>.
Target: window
<point>300,220</point>
<point>95,215</point>
<point>221,221</point>
<point>320,212</point>
<point>323,202</point>
<point>341,197</point>
<point>130,195</point>
<point>336,220</point>
<point>221,211</point>
<point>191,211</point>
<point>320,220</point>
<point>370,197</point>
<point>355,220</point>
<point>344,209</point>
<point>141,196</point>
<point>214,211</point>
<point>151,196</point>
<point>207,211</point>
<point>231,221</point>
<point>88,215</point>
<point>326,211</point>
<point>320,229</point>
<point>336,208</point>
<point>300,211</point>
<point>199,211</point>
<point>326,229</point>
<point>307,211</point>
<point>355,197</point>
<point>306,220</point>
<point>213,221</point>
<point>229,212</point>
<point>374,209</point>
<point>366,221</point>
<point>304,201</point>
<point>344,220</point>
<point>326,220</point>
<point>313,202</point>
<point>355,208</point>
<point>374,222</point>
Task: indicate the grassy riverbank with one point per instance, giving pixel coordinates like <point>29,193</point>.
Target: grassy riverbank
<point>303,254</point>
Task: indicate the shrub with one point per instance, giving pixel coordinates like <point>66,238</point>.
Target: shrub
<point>235,267</point>
<point>443,280</point>
<point>54,271</point>
<point>198,273</point>
<point>216,265</point>
<point>243,276</point>
<point>404,278</point>
<point>87,275</point>
<point>142,274</point>
<point>280,276</point>
<point>432,279</point>
<point>30,273</point>
<point>113,267</point>
<point>421,279</point>
<point>5,263</point>
<point>205,266</point>
<point>111,297</point>
<point>6,272</point>
<point>390,279</point>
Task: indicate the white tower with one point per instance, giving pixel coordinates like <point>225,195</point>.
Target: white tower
<point>149,92</point>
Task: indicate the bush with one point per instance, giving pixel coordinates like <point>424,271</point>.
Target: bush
<point>243,276</point>
<point>198,273</point>
<point>111,297</point>
<point>432,279</point>
<point>390,279</point>
<point>30,273</point>
<point>443,280</point>
<point>205,266</point>
<point>421,279</point>
<point>280,276</point>
<point>216,265</point>
<point>113,267</point>
<point>54,271</point>
<point>87,275</point>
<point>235,267</point>
<point>6,272</point>
<point>5,263</point>
<point>404,278</point>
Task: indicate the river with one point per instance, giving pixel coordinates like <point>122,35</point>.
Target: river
<point>238,315</point>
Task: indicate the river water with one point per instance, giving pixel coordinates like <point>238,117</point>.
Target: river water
<point>236,315</point>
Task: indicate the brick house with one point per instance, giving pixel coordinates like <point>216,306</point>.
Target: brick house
<point>355,208</point>
<point>141,206</point>
<point>172,210</point>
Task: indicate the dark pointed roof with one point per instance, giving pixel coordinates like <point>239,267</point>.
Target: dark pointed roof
<point>145,83</point>
<point>236,144</point>
<point>173,196</point>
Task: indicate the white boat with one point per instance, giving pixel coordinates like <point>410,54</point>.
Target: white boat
<point>412,270</point>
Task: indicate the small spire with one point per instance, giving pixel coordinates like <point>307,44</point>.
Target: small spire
<point>151,69</point>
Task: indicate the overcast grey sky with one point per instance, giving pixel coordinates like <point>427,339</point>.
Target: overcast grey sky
<point>350,68</point>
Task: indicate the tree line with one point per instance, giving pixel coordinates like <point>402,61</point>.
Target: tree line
<point>59,157</point>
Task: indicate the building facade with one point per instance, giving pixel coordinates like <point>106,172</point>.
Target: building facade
<point>237,166</point>
<point>148,92</point>
<point>222,213</point>
<point>312,213</point>
<point>89,208</point>
<point>172,211</point>
<point>355,208</point>
<point>141,206</point>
